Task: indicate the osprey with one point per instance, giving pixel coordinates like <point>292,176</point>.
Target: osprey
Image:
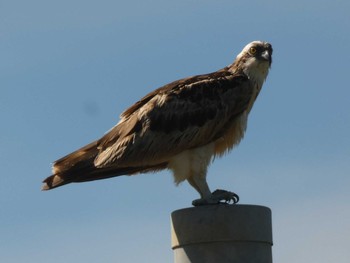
<point>181,126</point>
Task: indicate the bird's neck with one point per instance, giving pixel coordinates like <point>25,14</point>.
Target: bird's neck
<point>256,71</point>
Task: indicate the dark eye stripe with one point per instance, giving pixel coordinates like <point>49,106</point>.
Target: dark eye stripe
<point>260,49</point>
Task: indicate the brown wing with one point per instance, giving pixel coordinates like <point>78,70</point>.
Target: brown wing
<point>181,115</point>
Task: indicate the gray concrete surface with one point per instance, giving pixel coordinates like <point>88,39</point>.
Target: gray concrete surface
<point>223,234</point>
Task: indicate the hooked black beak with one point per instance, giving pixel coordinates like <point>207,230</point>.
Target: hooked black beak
<point>266,56</point>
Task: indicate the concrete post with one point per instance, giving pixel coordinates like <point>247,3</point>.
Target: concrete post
<point>222,233</point>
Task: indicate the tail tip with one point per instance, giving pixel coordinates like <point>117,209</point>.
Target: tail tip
<point>45,187</point>
<point>52,182</point>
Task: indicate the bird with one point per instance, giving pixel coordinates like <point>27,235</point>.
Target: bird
<point>182,126</point>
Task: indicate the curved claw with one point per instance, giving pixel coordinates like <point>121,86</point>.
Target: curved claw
<point>218,197</point>
<point>226,196</point>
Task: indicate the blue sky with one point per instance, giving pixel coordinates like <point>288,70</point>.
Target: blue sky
<point>69,68</point>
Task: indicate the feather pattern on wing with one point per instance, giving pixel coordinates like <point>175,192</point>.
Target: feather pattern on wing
<point>181,115</point>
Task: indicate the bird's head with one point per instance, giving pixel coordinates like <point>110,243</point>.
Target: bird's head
<point>254,60</point>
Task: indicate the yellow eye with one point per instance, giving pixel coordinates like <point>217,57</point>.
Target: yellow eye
<point>252,50</point>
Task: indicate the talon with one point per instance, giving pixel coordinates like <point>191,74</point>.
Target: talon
<point>218,197</point>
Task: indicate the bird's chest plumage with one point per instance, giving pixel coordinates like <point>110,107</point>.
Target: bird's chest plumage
<point>255,93</point>
<point>232,135</point>
<point>236,129</point>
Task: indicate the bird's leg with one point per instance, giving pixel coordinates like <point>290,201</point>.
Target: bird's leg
<point>201,185</point>
<point>208,198</point>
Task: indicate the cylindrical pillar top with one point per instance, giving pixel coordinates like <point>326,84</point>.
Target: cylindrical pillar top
<point>228,233</point>
<point>221,223</point>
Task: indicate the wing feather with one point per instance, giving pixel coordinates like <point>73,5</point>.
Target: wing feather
<point>181,115</point>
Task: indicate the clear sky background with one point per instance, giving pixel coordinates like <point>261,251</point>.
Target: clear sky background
<point>69,68</point>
